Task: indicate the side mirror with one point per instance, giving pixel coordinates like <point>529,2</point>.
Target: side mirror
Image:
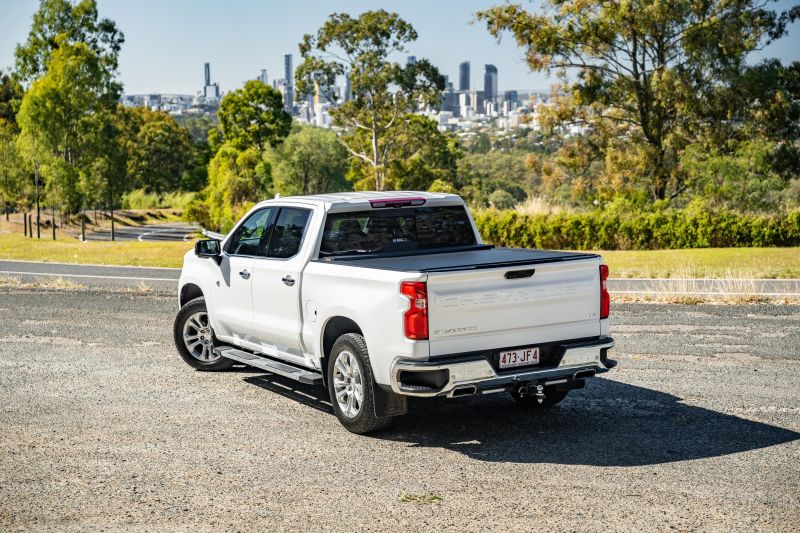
<point>207,248</point>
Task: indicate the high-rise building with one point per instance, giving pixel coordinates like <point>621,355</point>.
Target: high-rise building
<point>490,83</point>
<point>476,99</point>
<point>263,77</point>
<point>463,76</point>
<point>288,95</point>
<point>511,96</point>
<point>410,60</point>
<point>347,89</point>
<point>210,90</point>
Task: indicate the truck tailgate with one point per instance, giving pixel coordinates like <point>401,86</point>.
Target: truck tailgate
<point>513,306</point>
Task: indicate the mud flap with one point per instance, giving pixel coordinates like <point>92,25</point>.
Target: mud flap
<point>388,403</point>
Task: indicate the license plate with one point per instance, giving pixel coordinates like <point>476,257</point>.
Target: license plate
<point>520,357</point>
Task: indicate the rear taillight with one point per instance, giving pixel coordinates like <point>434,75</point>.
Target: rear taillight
<point>416,318</point>
<point>605,298</point>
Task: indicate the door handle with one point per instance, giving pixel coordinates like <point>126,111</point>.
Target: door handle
<point>288,280</point>
<point>245,274</point>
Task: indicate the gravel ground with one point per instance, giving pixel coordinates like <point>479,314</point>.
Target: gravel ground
<point>102,426</point>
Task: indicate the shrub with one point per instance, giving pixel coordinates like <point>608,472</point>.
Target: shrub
<point>693,227</point>
<point>141,199</point>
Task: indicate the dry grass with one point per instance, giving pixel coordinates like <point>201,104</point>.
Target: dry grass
<point>64,285</point>
<point>537,205</point>
<point>736,288</point>
<point>58,284</point>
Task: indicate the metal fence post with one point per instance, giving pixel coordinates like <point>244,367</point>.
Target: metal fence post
<point>83,229</point>
<point>25,224</point>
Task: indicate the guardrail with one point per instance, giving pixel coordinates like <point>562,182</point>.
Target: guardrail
<point>212,234</point>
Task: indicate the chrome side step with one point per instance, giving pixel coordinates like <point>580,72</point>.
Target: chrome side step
<point>296,373</point>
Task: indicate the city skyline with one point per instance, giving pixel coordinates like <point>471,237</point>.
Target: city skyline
<point>166,43</point>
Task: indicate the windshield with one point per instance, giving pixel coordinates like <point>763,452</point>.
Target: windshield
<point>398,230</point>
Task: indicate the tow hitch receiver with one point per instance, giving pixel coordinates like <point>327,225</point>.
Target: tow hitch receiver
<point>539,393</point>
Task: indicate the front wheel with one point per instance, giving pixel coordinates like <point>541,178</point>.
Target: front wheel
<point>194,337</point>
<point>350,385</point>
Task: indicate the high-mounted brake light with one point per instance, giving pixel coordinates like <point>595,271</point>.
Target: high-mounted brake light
<point>415,319</point>
<point>605,298</point>
<point>397,202</point>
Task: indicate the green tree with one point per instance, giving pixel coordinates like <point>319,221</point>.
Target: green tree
<point>104,178</point>
<point>54,117</point>
<point>641,70</point>
<point>59,22</point>
<point>10,98</point>
<point>161,152</point>
<point>311,161</point>
<point>382,90</point>
<point>254,116</point>
<point>420,156</point>
<point>237,179</point>
<point>12,171</point>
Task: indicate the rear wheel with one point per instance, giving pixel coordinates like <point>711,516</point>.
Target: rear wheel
<point>350,385</point>
<point>194,337</point>
<point>552,396</point>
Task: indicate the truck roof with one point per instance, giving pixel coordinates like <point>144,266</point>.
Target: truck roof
<point>363,197</point>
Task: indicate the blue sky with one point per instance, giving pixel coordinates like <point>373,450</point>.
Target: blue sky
<point>167,41</point>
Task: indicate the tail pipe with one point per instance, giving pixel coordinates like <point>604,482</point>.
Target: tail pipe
<point>469,390</point>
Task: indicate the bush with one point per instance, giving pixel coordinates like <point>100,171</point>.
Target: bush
<point>693,227</point>
<point>140,199</point>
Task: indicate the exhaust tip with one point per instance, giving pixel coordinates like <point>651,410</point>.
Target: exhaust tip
<point>584,374</point>
<point>469,390</point>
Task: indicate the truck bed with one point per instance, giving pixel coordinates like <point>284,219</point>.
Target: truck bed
<point>476,258</point>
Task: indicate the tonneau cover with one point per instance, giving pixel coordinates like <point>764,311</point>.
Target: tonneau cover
<point>478,258</point>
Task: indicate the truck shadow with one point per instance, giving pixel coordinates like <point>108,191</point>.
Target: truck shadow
<point>606,424</point>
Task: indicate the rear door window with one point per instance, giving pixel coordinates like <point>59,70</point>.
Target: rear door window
<point>287,232</point>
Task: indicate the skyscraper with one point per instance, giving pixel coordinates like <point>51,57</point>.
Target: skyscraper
<point>263,77</point>
<point>288,95</point>
<point>410,60</point>
<point>463,76</point>
<point>347,95</point>
<point>490,83</point>
<point>210,90</point>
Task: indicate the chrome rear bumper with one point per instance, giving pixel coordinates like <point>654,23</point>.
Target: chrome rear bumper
<point>580,360</point>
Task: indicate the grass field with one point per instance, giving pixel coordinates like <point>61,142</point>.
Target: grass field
<point>694,263</point>
<point>71,250</point>
<point>705,263</point>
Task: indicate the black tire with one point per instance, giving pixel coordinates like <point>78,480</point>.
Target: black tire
<point>364,421</point>
<point>191,309</point>
<point>552,396</point>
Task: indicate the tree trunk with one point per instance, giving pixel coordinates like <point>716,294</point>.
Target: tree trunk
<point>305,182</point>
<point>376,162</point>
<point>38,207</point>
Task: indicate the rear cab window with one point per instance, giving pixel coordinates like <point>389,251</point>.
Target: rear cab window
<point>391,231</point>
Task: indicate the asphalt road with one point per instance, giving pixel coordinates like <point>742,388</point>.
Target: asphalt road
<point>150,232</point>
<point>96,276</point>
<point>102,426</point>
<point>164,279</point>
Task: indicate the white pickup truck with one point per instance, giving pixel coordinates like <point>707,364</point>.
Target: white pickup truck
<point>379,296</point>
